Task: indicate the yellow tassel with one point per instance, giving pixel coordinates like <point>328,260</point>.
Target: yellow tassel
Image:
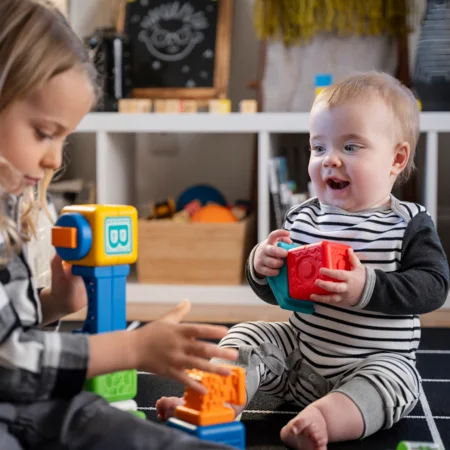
<point>301,20</point>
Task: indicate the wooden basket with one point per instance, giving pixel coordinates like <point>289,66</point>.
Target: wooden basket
<point>194,253</point>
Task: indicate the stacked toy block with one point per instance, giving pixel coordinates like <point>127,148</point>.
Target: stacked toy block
<point>100,242</point>
<point>207,416</point>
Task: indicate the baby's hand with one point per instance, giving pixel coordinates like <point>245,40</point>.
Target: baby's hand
<point>168,348</point>
<point>348,289</point>
<point>268,256</point>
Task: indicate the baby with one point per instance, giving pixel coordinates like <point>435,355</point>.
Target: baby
<point>351,364</point>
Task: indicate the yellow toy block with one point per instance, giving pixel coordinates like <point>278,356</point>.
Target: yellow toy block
<point>114,234</point>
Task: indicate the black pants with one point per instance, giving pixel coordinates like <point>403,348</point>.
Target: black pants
<point>87,422</point>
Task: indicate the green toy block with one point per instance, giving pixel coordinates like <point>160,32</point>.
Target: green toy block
<point>139,414</point>
<point>114,387</point>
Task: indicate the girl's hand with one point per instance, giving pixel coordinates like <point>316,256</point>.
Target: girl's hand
<point>168,348</point>
<point>268,256</point>
<point>67,292</point>
<point>348,288</point>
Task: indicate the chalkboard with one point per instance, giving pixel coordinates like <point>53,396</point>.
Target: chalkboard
<point>179,49</point>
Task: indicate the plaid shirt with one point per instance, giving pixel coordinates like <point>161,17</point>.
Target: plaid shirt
<point>34,364</point>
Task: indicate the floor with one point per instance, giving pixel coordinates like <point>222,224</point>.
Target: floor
<point>263,419</point>
<point>429,422</point>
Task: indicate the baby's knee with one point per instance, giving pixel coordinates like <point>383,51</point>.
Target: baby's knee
<point>380,407</point>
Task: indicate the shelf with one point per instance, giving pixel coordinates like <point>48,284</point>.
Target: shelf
<point>173,294</point>
<point>213,295</point>
<point>226,123</point>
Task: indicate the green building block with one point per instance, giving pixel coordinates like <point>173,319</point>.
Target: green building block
<point>114,387</point>
<point>139,414</point>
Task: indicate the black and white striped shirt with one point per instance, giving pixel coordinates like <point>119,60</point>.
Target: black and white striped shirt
<point>407,275</point>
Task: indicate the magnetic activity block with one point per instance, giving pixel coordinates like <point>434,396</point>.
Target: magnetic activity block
<point>114,387</point>
<point>304,263</point>
<point>106,235</point>
<point>211,409</point>
<point>207,416</point>
<point>280,288</point>
<point>295,283</point>
<point>100,243</point>
<point>230,433</point>
<point>322,81</point>
<point>106,290</point>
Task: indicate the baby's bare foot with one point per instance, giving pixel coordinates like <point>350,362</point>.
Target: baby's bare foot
<point>307,431</point>
<point>165,407</point>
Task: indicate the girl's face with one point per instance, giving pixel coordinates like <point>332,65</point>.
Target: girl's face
<point>33,129</point>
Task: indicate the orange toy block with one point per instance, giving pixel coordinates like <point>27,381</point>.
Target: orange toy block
<point>64,237</point>
<point>304,263</point>
<point>210,409</point>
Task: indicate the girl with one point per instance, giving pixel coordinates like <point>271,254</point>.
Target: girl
<point>46,86</point>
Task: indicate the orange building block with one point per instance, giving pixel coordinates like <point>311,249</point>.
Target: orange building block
<point>211,409</point>
<point>64,237</point>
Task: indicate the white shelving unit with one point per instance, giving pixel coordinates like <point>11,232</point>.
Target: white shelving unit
<point>115,139</point>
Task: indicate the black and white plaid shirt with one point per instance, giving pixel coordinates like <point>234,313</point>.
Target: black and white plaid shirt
<point>34,364</point>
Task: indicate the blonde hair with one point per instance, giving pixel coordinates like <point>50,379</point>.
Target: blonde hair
<point>396,96</point>
<point>36,44</point>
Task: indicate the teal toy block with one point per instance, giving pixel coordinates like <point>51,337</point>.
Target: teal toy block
<point>280,288</point>
<point>114,387</point>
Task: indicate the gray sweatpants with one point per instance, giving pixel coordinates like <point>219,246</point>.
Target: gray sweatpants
<point>384,386</point>
<point>87,422</point>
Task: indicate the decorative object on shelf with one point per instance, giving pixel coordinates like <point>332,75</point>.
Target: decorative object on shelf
<point>432,72</point>
<point>201,192</point>
<point>298,20</point>
<point>111,55</point>
<point>248,106</point>
<point>322,81</point>
<point>135,105</point>
<point>180,49</point>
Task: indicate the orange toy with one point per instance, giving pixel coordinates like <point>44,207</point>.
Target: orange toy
<point>213,213</point>
<point>210,409</point>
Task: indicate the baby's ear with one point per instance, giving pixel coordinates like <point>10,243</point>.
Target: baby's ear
<point>401,158</point>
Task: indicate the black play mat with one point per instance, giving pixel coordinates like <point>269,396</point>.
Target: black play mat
<point>265,417</point>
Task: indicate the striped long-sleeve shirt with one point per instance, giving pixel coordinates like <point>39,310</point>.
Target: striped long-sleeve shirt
<point>407,275</point>
<point>34,364</point>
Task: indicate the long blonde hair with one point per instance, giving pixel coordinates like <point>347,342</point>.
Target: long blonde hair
<point>36,44</point>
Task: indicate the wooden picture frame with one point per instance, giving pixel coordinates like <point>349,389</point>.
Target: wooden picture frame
<point>221,63</point>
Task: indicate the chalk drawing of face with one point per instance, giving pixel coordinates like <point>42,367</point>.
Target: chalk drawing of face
<point>171,32</point>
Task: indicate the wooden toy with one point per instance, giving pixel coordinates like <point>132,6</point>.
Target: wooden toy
<point>248,106</point>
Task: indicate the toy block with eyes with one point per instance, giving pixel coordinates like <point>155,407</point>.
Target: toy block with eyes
<point>295,283</point>
<point>100,243</point>
<point>207,416</point>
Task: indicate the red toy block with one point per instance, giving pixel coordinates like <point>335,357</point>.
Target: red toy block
<point>304,263</point>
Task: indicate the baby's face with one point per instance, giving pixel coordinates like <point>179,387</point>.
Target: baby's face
<point>354,157</point>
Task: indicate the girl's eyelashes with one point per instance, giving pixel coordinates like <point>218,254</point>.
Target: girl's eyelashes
<point>42,136</point>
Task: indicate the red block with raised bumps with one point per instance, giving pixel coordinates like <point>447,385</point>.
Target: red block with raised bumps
<point>304,263</point>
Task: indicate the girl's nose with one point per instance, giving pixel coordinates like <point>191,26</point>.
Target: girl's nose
<point>53,158</point>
